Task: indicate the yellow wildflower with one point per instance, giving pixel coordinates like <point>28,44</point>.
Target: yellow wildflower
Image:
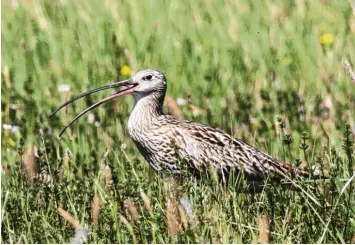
<point>326,39</point>
<point>11,142</point>
<point>125,70</point>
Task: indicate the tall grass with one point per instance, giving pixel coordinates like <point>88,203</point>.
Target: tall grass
<point>239,65</point>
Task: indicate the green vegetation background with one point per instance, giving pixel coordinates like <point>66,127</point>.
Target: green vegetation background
<point>239,65</point>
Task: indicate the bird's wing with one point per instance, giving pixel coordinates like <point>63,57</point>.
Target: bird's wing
<point>205,147</point>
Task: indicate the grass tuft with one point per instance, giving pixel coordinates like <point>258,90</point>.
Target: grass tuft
<point>268,72</point>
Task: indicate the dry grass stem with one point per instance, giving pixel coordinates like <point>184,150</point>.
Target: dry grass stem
<point>95,209</point>
<point>264,229</point>
<point>128,225</point>
<point>29,165</point>
<point>6,73</point>
<point>123,220</point>
<point>183,217</point>
<point>174,107</point>
<point>147,202</point>
<point>75,223</point>
<point>172,217</point>
<point>353,240</point>
<point>107,173</point>
<point>350,71</point>
<point>131,208</point>
<point>172,211</point>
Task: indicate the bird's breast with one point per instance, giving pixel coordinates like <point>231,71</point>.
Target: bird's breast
<point>155,145</point>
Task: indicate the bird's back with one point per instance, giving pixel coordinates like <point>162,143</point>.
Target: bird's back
<point>168,142</point>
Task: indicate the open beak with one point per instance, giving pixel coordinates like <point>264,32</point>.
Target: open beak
<point>126,83</point>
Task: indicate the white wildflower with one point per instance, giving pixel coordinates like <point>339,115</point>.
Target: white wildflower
<point>7,126</point>
<point>123,146</point>
<point>97,124</point>
<point>328,101</point>
<point>181,101</point>
<point>186,204</point>
<point>11,128</point>
<point>91,118</point>
<point>64,88</point>
<point>81,235</point>
<point>13,106</point>
<point>316,170</point>
<point>15,129</point>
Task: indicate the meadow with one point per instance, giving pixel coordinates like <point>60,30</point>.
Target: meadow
<point>271,73</point>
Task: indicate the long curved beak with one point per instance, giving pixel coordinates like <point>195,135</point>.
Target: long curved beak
<point>126,83</point>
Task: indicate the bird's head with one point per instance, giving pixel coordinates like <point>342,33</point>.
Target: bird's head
<point>142,84</point>
<point>148,81</point>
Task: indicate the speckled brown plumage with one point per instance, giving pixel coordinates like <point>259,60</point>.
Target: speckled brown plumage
<point>167,142</point>
<point>203,147</point>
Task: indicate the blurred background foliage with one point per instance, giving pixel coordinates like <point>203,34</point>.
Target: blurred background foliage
<point>236,65</point>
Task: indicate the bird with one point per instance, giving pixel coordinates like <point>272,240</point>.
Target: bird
<point>168,143</point>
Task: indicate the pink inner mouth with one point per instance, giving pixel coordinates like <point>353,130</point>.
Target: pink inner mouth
<point>128,90</point>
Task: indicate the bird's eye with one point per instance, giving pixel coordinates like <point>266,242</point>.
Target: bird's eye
<point>148,77</point>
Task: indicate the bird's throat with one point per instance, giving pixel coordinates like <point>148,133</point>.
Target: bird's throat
<point>146,109</point>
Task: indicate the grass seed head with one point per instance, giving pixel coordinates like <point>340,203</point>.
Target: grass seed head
<point>147,202</point>
<point>75,223</point>
<point>96,209</point>
<point>29,165</point>
<point>131,208</point>
<point>172,217</point>
<point>264,229</point>
<point>174,108</point>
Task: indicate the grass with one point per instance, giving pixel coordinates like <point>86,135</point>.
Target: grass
<point>240,65</point>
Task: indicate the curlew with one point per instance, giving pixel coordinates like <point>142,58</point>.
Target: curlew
<point>201,147</point>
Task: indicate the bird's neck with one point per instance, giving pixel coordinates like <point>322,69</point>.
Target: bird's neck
<point>146,109</point>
